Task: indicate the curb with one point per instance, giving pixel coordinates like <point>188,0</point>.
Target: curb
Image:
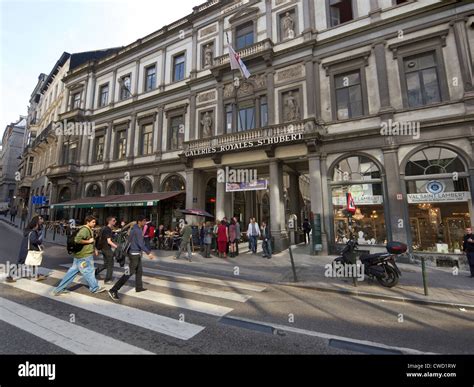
<point>380,296</point>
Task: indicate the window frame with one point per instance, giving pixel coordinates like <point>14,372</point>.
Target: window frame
<point>170,117</point>
<point>96,143</point>
<point>174,64</point>
<point>121,88</point>
<point>73,100</point>
<point>117,155</point>
<point>146,77</point>
<point>240,25</point>
<point>328,14</point>
<point>144,125</point>
<point>100,103</point>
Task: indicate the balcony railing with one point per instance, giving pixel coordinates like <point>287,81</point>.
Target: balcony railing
<point>42,136</point>
<point>257,48</point>
<point>73,115</point>
<point>307,128</point>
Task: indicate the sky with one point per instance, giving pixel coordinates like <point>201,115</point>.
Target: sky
<point>34,34</point>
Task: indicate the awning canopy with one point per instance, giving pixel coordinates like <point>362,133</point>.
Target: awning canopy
<point>135,200</point>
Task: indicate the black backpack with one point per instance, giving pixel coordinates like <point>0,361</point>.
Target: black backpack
<point>99,242</point>
<point>71,245</point>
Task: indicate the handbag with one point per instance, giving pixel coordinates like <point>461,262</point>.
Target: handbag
<point>33,258</point>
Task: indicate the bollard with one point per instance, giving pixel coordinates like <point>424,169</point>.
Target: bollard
<point>293,265</point>
<point>423,271</point>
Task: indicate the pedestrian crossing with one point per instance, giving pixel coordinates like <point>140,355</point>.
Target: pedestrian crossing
<point>221,297</point>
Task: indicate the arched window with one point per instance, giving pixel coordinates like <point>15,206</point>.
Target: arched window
<point>93,191</point>
<point>174,183</point>
<point>361,177</point>
<point>437,194</point>
<point>64,195</point>
<point>116,188</point>
<point>143,186</point>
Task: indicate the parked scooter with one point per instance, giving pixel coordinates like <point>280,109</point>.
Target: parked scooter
<point>381,266</point>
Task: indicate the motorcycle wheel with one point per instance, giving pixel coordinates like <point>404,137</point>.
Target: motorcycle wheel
<point>390,279</point>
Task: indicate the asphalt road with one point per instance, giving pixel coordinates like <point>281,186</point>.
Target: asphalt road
<point>199,315</point>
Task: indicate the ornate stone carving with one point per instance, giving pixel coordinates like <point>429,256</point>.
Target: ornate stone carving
<point>291,108</point>
<point>206,96</point>
<point>288,25</point>
<point>260,81</point>
<point>208,30</point>
<point>228,90</point>
<point>208,55</point>
<point>290,73</point>
<point>207,124</point>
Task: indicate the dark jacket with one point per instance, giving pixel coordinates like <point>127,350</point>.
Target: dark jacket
<point>306,226</point>
<point>35,243</point>
<point>266,233</point>
<point>137,243</point>
<point>468,247</point>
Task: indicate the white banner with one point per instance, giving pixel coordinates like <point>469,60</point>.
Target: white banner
<point>445,197</point>
<point>364,200</point>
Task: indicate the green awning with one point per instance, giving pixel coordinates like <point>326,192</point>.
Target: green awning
<point>135,200</point>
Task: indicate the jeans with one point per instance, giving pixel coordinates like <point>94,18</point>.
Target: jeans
<point>253,243</point>
<point>185,246</point>
<point>267,248</point>
<point>147,243</point>
<point>135,269</point>
<point>207,250</point>
<point>108,264</point>
<point>85,266</point>
<point>470,259</point>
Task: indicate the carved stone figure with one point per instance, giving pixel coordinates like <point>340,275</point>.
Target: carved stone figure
<point>206,123</point>
<point>208,56</point>
<point>288,26</point>
<point>292,110</point>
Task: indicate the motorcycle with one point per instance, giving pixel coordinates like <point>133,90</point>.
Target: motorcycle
<point>381,266</point>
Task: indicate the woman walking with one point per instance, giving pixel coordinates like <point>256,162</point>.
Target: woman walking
<point>232,238</point>
<point>222,238</point>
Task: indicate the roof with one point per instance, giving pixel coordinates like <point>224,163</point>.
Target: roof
<point>134,200</point>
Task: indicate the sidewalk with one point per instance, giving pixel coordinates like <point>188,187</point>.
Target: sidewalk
<point>444,288</point>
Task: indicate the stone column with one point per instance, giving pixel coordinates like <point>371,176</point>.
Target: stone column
<point>114,83</point>
<point>220,199</point>
<point>220,127</point>
<point>464,55</point>
<point>277,206</point>
<point>159,131</point>
<point>271,97</point>
<point>310,88</point>
<point>316,191</point>
<point>108,155</point>
<point>192,117</point>
<point>220,47</point>
<point>194,196</point>
<point>194,67</point>
<point>90,92</point>
<point>269,19</point>
<point>317,89</point>
<point>382,77</point>
<point>308,18</point>
<point>163,70</point>
<point>375,10</point>
<point>396,208</point>
<point>294,195</point>
<point>131,137</point>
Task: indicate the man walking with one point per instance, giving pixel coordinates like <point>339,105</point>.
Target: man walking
<point>468,248</point>
<point>83,260</point>
<point>186,234</point>
<point>267,241</point>
<point>253,233</point>
<point>24,217</point>
<point>13,213</point>
<point>306,230</point>
<point>238,235</point>
<point>137,246</point>
<point>105,245</point>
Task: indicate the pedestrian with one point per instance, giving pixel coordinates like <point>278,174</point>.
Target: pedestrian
<point>83,260</point>
<point>306,230</point>
<point>267,241</point>
<point>137,247</point>
<point>32,241</point>
<point>202,233</point>
<point>248,236</point>
<point>208,235</point>
<point>160,233</point>
<point>214,240</point>
<point>186,235</point>
<point>23,217</point>
<point>232,238</point>
<point>238,235</point>
<point>148,233</point>
<point>468,248</point>
<point>222,239</point>
<point>253,233</point>
<point>13,213</point>
<point>105,244</point>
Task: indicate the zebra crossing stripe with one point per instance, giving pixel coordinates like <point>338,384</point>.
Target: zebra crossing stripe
<point>71,337</point>
<point>143,319</point>
<point>160,298</point>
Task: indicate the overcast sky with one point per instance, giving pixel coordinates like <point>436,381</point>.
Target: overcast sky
<point>34,34</point>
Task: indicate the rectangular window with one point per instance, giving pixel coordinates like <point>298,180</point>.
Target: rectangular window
<point>178,67</point>
<point>246,118</point>
<point>421,75</point>
<point>263,112</point>
<point>104,95</point>
<point>125,87</point>
<point>349,95</point>
<point>76,101</point>
<point>229,118</point>
<point>244,36</point>
<point>147,140</point>
<point>150,78</point>
<point>99,149</point>
<point>72,153</point>
<point>176,137</point>
<point>121,145</point>
<point>340,11</point>
<point>30,166</point>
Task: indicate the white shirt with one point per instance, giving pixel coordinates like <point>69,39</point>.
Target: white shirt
<point>250,231</point>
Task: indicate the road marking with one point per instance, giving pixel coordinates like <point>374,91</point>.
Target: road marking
<point>157,297</point>
<point>138,317</point>
<point>232,296</point>
<point>71,337</point>
<point>285,328</point>
<point>197,278</point>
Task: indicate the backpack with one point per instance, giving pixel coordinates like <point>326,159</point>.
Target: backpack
<point>71,246</point>
<point>99,242</point>
<point>151,232</point>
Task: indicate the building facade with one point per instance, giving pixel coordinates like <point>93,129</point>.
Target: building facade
<point>12,147</point>
<point>373,98</point>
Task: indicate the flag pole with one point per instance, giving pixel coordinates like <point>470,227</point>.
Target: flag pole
<point>234,109</point>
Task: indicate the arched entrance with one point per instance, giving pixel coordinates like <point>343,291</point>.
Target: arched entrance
<point>116,188</point>
<point>142,186</point>
<point>93,191</point>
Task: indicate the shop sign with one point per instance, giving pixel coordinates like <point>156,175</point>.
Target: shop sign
<point>435,187</point>
<point>364,200</point>
<point>257,185</point>
<point>445,197</point>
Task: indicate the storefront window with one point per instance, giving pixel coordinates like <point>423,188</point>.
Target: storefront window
<point>361,177</point>
<point>438,200</point>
